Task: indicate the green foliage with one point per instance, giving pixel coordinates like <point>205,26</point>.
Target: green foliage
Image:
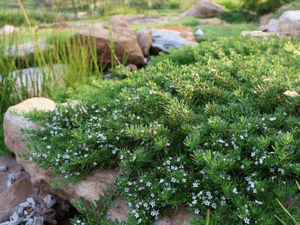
<point>3,149</point>
<point>173,4</point>
<point>158,4</point>
<point>214,32</point>
<point>215,133</point>
<point>293,6</point>
<point>16,17</point>
<point>237,16</point>
<point>143,4</point>
<point>229,4</point>
<point>290,219</point>
<point>263,7</point>
<point>186,21</point>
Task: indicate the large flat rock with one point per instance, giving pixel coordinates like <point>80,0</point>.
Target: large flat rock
<point>85,190</point>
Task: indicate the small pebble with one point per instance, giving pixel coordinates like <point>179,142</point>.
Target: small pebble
<point>3,168</point>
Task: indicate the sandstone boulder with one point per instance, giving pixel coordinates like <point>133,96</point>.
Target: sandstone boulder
<point>62,25</point>
<point>289,22</point>
<point>86,190</point>
<point>42,26</point>
<point>11,197</point>
<point>144,37</point>
<point>264,20</point>
<point>203,8</point>
<point>214,21</point>
<point>123,37</point>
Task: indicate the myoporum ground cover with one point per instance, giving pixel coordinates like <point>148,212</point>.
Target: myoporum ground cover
<point>211,127</point>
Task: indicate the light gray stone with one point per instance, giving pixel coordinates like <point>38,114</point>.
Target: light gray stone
<point>20,209</point>
<point>28,48</point>
<point>165,39</point>
<point>50,202</point>
<point>31,201</point>
<point>289,22</point>
<point>3,168</point>
<point>29,222</point>
<point>8,183</point>
<point>7,223</point>
<point>15,216</point>
<point>38,221</point>
<point>199,32</point>
<point>272,26</point>
<point>38,76</point>
<point>25,204</point>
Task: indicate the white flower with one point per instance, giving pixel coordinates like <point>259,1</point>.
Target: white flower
<point>66,156</point>
<point>197,211</point>
<point>148,184</point>
<point>272,119</point>
<point>206,202</point>
<point>152,204</point>
<point>48,146</point>
<point>242,166</point>
<point>247,220</point>
<point>235,191</point>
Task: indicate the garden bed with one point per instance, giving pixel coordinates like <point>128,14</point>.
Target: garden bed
<point>211,127</point>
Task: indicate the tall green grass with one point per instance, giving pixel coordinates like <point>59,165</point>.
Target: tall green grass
<point>80,66</point>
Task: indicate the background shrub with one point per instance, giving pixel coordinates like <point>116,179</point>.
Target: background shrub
<point>263,7</point>
<point>173,4</point>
